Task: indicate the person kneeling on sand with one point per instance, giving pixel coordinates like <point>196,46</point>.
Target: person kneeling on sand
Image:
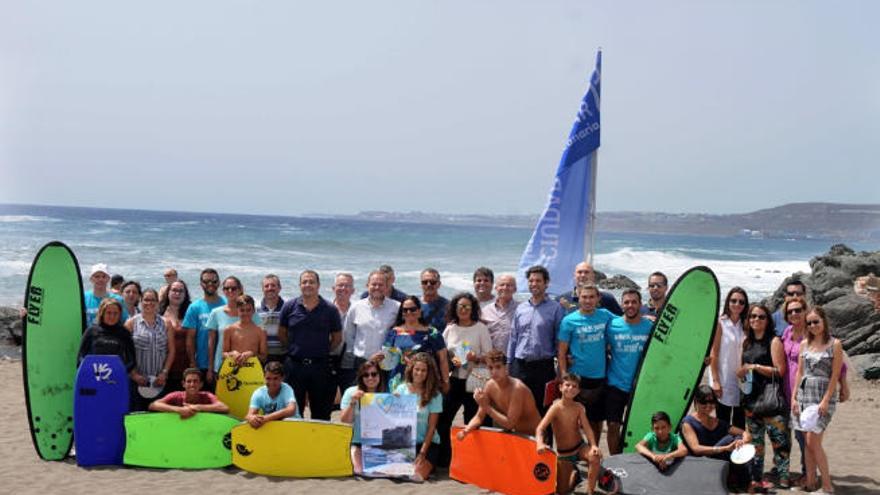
<point>191,399</point>
<point>505,399</point>
<point>569,423</point>
<point>275,399</point>
<point>245,339</point>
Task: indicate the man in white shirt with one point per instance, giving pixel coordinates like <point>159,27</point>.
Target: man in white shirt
<point>366,325</point>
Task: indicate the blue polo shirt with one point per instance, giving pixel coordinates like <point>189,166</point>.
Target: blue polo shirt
<point>196,320</point>
<point>308,332</point>
<point>585,335</point>
<point>627,342</point>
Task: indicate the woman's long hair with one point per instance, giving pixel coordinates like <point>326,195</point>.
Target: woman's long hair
<point>165,302</point>
<point>432,381</point>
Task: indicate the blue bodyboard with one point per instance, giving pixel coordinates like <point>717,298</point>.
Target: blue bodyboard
<point>101,401</point>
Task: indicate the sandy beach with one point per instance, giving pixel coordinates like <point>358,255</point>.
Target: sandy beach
<point>852,443</point>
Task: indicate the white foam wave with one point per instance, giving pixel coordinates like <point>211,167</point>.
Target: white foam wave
<point>111,223</point>
<point>26,218</point>
<point>759,278</point>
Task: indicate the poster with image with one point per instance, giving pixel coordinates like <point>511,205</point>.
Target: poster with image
<point>388,434</point>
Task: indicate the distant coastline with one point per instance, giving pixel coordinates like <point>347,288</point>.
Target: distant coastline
<point>815,221</point>
<point>818,221</point>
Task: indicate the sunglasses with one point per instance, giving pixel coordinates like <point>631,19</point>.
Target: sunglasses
<point>655,286</point>
<point>757,316</point>
<point>430,282</point>
<point>813,323</point>
<point>738,302</point>
<point>409,309</point>
<point>704,402</point>
<point>794,293</point>
<point>371,374</point>
<point>149,300</point>
<point>211,282</point>
<point>177,291</point>
<point>231,288</point>
<point>464,306</point>
<point>794,311</point>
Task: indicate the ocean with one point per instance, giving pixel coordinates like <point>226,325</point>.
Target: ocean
<point>140,245</point>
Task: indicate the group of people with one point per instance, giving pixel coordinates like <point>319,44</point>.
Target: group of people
<point>502,361</point>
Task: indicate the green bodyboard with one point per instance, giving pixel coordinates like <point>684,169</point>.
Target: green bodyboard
<point>52,331</point>
<point>675,354</point>
<point>164,440</point>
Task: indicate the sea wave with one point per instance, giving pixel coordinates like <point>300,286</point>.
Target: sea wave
<point>758,277</point>
<point>26,218</point>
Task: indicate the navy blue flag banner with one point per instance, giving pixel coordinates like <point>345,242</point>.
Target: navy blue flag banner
<point>563,235</point>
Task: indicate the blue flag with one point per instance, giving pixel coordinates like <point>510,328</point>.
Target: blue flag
<point>563,235</point>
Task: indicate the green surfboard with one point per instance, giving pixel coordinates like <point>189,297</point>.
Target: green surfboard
<point>52,332</point>
<point>675,354</point>
<point>164,440</point>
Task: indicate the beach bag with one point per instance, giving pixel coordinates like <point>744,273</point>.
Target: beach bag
<point>771,401</point>
<point>477,378</point>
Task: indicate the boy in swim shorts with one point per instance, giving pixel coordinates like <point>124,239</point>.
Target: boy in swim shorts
<point>569,423</point>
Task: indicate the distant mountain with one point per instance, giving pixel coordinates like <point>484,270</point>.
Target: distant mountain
<point>796,220</point>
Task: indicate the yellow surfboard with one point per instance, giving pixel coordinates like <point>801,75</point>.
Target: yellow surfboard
<point>296,448</point>
<point>236,384</point>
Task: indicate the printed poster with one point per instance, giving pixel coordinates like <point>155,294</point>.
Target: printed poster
<point>388,434</point>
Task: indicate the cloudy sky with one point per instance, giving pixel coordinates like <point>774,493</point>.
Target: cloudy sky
<point>448,106</point>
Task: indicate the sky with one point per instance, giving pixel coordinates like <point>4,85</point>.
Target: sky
<point>281,107</point>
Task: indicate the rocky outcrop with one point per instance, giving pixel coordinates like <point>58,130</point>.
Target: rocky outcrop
<point>10,325</point>
<point>618,282</point>
<point>853,318</point>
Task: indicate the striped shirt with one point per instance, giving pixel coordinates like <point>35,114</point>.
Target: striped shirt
<point>150,345</point>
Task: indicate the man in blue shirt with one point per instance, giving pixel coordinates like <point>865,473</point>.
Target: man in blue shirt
<point>584,274</point>
<point>100,277</point>
<point>532,344</point>
<point>433,304</point>
<point>309,327</point>
<point>626,336</point>
<point>582,339</point>
<point>195,323</point>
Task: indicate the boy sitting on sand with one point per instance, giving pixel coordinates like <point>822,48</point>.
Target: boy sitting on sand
<point>244,339</point>
<point>660,445</point>
<point>274,400</point>
<point>569,422</point>
<point>191,399</point>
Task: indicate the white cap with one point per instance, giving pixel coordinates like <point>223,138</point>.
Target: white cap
<point>99,267</point>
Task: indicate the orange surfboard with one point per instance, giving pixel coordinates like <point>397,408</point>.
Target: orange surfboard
<point>502,462</point>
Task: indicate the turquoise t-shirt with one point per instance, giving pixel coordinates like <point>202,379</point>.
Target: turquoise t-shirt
<point>585,335</point>
<point>356,426</point>
<point>195,319</point>
<point>92,302</point>
<point>434,406</point>
<point>627,343</point>
<point>218,321</point>
<point>261,400</point>
<point>653,444</point>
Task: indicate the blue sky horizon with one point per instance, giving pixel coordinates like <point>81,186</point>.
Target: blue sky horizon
<point>442,107</point>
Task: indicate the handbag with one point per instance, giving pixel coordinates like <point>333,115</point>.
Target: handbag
<point>771,401</point>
